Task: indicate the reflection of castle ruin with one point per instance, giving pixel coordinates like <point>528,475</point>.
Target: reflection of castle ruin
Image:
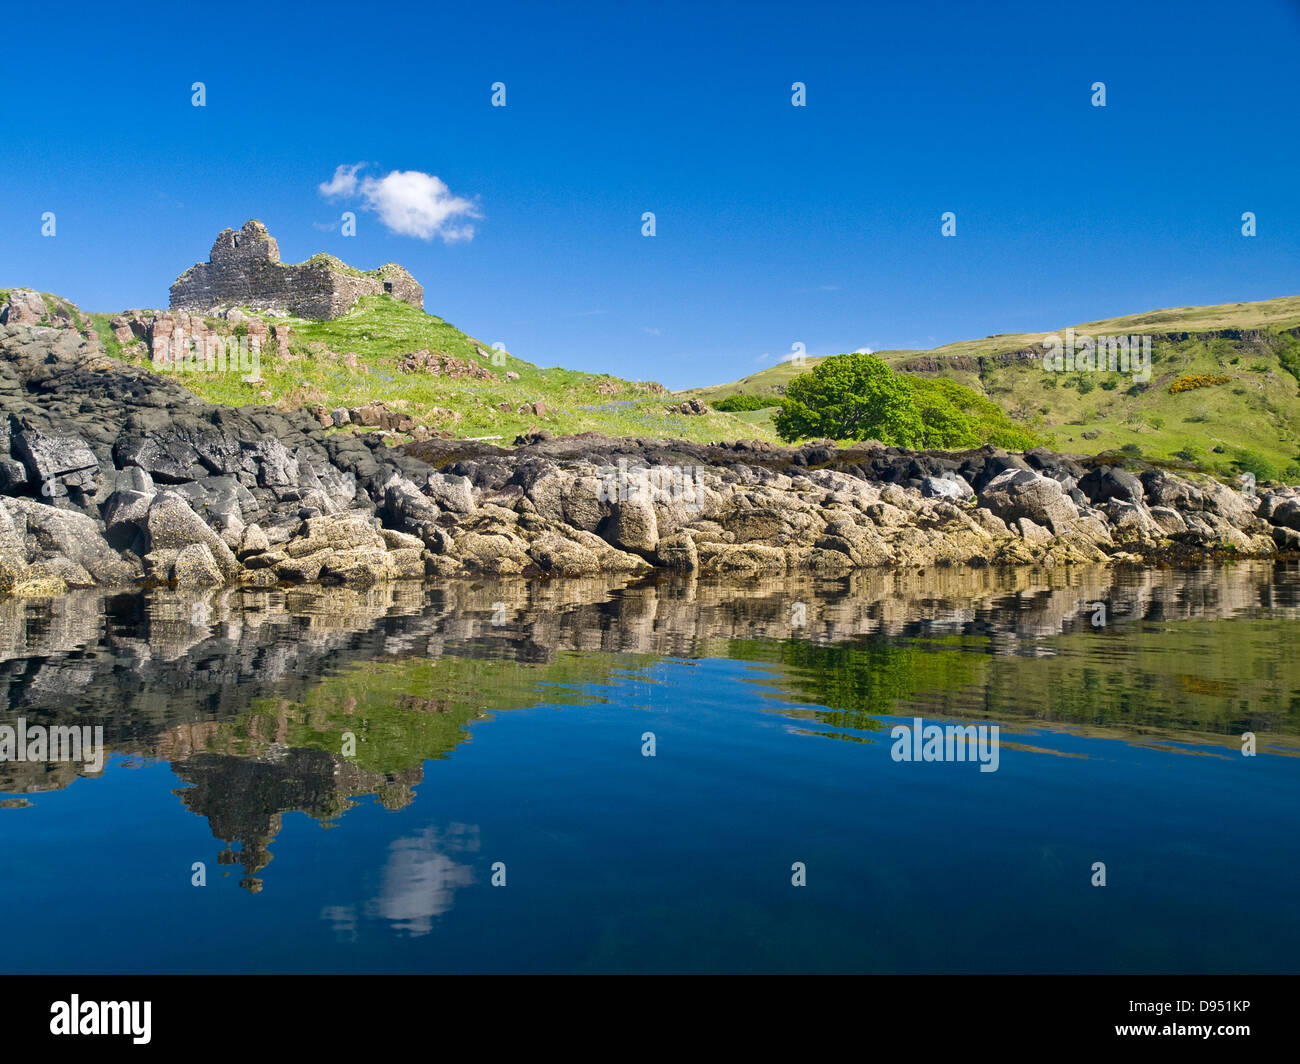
<point>244,270</point>
<point>243,799</point>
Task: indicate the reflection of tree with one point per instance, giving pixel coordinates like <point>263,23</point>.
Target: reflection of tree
<point>860,682</point>
<point>252,710</point>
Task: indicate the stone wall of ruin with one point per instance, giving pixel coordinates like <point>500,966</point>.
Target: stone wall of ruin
<point>244,269</point>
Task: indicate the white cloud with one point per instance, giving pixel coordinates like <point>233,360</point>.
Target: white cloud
<point>864,351</point>
<point>343,183</point>
<point>408,202</point>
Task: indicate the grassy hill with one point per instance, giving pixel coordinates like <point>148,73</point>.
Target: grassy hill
<point>1254,412</point>
<point>357,359</point>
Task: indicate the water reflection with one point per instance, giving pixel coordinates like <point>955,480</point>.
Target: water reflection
<point>421,878</point>
<point>249,695</point>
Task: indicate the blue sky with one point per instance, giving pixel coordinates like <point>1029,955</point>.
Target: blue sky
<point>775,225</point>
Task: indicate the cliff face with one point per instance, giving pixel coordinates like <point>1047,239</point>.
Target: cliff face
<point>244,269</point>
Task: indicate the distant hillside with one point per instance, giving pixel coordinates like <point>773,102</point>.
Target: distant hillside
<point>1256,409</point>
<point>385,350</point>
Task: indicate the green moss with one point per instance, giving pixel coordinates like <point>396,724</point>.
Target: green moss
<point>337,265</point>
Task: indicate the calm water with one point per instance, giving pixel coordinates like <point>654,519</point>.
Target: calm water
<point>502,725</point>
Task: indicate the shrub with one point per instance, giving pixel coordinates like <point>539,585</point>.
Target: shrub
<point>1250,462</point>
<point>734,403</point>
<point>1187,384</point>
<point>851,397</point>
<point>859,397</point>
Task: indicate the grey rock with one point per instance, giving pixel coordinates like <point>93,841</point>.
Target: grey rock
<point>1018,493</point>
<point>195,567</point>
<point>172,525</point>
<point>452,493</point>
<point>74,535</point>
<point>951,486</point>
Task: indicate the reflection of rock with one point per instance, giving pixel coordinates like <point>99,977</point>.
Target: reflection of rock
<point>174,675</point>
<point>421,879</point>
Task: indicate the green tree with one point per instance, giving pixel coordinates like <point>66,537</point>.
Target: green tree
<point>851,397</point>
<point>946,426</point>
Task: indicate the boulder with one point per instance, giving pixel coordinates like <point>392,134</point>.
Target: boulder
<point>171,524</point>
<point>633,526</point>
<point>452,493</point>
<point>1018,493</point>
<point>46,456</point>
<point>678,552</point>
<point>1229,504</point>
<point>1286,514</point>
<point>194,567</point>
<point>1165,489</point>
<point>951,486</point>
<point>74,535</point>
<point>1105,483</point>
<point>25,307</point>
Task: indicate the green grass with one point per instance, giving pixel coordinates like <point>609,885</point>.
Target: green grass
<point>1252,420</point>
<point>380,330</point>
<point>322,258</point>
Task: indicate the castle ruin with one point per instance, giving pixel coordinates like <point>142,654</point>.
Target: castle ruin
<point>244,269</point>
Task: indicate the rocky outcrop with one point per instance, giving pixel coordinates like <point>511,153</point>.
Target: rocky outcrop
<point>244,269</point>
<point>114,476</point>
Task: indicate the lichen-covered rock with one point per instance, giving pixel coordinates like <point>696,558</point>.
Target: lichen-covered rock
<point>950,486</point>
<point>633,526</point>
<point>25,307</point>
<point>194,567</point>
<point>171,524</point>
<point>72,534</point>
<point>452,493</point>
<point>678,552</point>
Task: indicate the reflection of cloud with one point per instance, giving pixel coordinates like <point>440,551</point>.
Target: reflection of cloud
<point>342,919</point>
<point>420,879</point>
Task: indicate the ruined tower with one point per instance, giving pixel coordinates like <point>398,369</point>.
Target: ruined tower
<point>244,269</point>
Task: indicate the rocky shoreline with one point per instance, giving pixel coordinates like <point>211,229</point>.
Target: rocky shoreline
<point>113,476</point>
